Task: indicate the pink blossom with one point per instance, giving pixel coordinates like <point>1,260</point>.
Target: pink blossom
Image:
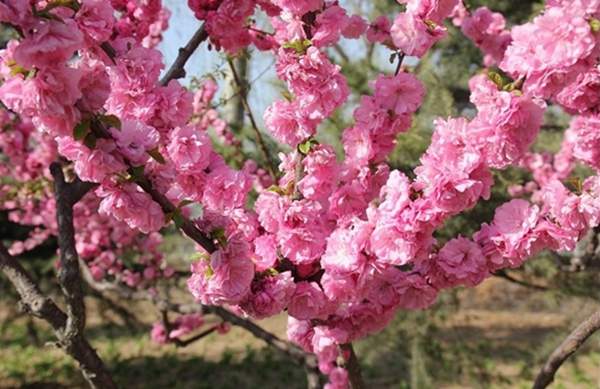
<point>225,278</point>
<point>461,261</point>
<point>269,296</point>
<point>299,7</point>
<point>402,93</point>
<point>511,237</point>
<point>586,132</point>
<point>329,26</point>
<point>130,204</point>
<point>487,31</point>
<point>346,248</point>
<point>266,252</point>
<point>134,140</point>
<point>338,379</point>
<point>300,332</point>
<point>434,10</point>
<point>282,120</point>
<point>91,165</point>
<point>582,94</point>
<point>228,188</point>
<point>303,231</point>
<point>320,172</point>
<point>189,149</point>
<point>413,36</point>
<point>308,301</point>
<point>355,28</point>
<point>50,43</point>
<point>379,30</point>
<point>96,20</point>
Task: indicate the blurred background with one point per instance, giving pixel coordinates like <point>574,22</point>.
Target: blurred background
<point>493,336</point>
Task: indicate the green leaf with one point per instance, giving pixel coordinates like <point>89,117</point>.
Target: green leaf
<point>307,146</point>
<point>111,121</point>
<point>300,45</point>
<point>137,172</point>
<point>185,203</point>
<point>276,189</point>
<point>90,141</point>
<point>157,156</point>
<point>178,219</point>
<point>81,130</point>
<point>594,25</point>
<point>497,79</point>
<point>219,235</point>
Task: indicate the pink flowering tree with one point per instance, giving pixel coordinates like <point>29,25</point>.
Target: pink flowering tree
<point>105,149</point>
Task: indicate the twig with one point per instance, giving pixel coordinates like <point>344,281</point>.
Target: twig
<point>567,348</point>
<point>177,70</point>
<point>259,138</point>
<point>353,367</point>
<point>203,334</point>
<point>503,274</point>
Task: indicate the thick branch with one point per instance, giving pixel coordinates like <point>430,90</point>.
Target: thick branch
<point>353,367</point>
<point>567,348</point>
<point>40,306</point>
<point>69,276</point>
<point>177,70</point>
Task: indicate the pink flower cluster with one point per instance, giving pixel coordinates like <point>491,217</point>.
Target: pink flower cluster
<point>415,31</point>
<point>487,31</point>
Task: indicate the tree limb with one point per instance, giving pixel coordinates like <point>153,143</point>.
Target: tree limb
<point>567,348</point>
<point>38,305</point>
<point>353,367</point>
<point>69,276</point>
<point>177,70</point>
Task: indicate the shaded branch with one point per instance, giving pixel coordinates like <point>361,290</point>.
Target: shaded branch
<point>69,276</point>
<point>505,275</point>
<point>38,305</point>
<point>353,367</point>
<point>567,348</point>
<point>177,70</point>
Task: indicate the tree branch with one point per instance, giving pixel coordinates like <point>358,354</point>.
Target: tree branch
<point>177,70</point>
<point>68,273</point>
<point>353,367</point>
<point>505,275</point>
<point>567,348</point>
<point>40,306</point>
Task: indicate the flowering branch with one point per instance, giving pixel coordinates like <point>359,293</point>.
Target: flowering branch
<point>177,70</point>
<point>567,348</point>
